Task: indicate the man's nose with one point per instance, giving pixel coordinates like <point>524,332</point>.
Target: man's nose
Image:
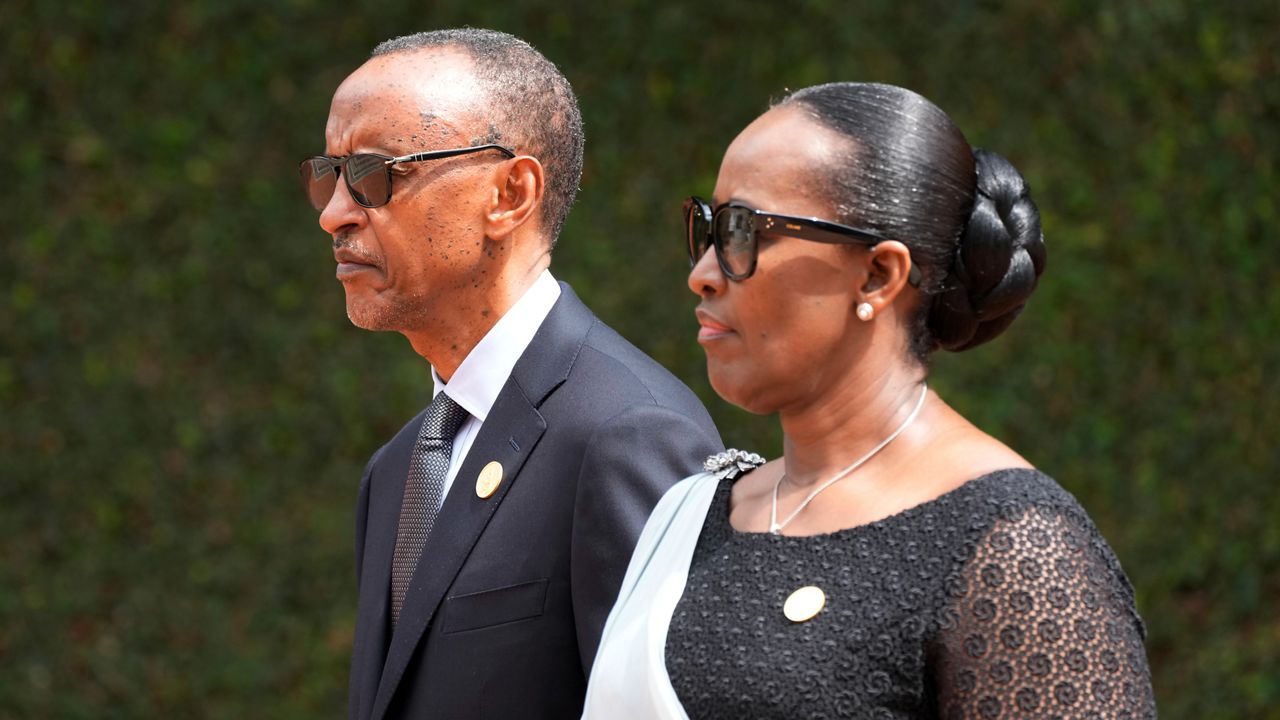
<point>341,211</point>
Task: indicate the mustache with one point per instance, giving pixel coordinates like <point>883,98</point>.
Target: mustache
<point>345,241</point>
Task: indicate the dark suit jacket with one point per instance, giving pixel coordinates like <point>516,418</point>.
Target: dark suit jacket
<point>505,610</point>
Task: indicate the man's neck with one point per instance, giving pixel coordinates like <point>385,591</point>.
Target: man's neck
<point>446,347</point>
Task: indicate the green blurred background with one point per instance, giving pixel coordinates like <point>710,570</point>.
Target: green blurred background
<point>185,410</point>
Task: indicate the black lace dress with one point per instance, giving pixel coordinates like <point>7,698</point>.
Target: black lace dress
<point>999,599</point>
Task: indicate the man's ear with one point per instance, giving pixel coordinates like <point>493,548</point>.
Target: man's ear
<point>888,268</point>
<point>518,185</point>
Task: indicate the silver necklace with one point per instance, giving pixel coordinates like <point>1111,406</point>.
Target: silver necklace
<point>775,527</point>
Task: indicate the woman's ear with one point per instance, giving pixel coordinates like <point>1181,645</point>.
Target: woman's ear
<point>518,185</point>
<point>888,268</point>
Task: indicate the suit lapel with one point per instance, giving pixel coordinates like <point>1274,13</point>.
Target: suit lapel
<point>508,435</point>
<point>385,497</point>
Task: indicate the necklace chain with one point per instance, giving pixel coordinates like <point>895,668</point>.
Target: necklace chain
<point>775,527</point>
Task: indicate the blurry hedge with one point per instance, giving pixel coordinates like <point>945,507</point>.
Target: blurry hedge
<point>184,409</point>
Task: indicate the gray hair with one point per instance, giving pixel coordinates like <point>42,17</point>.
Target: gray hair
<point>532,107</point>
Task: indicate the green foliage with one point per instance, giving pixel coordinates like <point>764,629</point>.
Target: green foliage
<point>184,409</point>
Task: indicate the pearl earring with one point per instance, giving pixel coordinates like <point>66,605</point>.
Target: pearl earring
<point>865,311</point>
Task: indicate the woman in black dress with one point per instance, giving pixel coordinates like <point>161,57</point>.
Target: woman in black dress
<point>896,561</point>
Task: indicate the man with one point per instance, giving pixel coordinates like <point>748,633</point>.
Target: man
<point>493,531</point>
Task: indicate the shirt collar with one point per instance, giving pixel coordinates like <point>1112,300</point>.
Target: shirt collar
<point>478,380</point>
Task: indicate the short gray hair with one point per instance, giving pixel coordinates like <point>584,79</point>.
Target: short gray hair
<point>532,107</point>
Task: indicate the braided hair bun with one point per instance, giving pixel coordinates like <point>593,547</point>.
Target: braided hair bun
<point>997,263</point>
<point>965,214</point>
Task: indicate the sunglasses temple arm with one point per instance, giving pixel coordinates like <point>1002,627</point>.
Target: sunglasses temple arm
<point>814,233</point>
<point>831,237</point>
<point>440,154</point>
<point>914,276</point>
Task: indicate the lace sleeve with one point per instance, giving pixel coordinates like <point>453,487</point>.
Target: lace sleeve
<point>1041,623</point>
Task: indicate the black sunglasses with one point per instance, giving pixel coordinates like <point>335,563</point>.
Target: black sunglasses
<point>735,229</point>
<point>368,175</point>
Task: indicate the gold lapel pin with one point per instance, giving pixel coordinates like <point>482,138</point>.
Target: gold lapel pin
<point>804,604</point>
<point>489,479</point>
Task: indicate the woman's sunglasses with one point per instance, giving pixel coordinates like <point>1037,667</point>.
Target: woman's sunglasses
<point>735,230</point>
<point>368,175</point>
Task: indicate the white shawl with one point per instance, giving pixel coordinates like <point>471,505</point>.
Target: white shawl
<point>629,678</point>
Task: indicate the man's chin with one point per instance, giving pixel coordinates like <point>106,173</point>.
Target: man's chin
<point>367,316</point>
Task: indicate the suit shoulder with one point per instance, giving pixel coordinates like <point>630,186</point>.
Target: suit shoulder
<point>606,351</point>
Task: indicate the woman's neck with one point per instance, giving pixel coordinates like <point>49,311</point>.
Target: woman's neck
<point>847,420</point>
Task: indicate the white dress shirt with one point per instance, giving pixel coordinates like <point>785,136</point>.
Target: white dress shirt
<point>478,380</point>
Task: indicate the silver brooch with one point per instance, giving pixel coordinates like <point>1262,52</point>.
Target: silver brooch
<point>732,462</point>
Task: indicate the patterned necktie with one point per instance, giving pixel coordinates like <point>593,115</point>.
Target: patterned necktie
<point>423,492</point>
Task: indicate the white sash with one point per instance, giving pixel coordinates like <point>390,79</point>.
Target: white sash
<point>629,677</point>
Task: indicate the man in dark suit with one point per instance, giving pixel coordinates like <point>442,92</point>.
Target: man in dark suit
<point>493,531</point>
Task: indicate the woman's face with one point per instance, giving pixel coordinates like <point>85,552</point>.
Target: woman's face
<point>781,337</point>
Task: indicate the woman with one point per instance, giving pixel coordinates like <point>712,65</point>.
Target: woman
<point>896,561</point>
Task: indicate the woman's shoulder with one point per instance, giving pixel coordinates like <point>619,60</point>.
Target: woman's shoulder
<point>1012,493</point>
<point>1037,584</point>
<point>1023,500</point>
<point>1002,506</point>
<point>1033,523</point>
<point>1020,486</point>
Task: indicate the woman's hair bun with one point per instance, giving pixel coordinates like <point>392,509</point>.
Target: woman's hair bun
<point>997,263</point>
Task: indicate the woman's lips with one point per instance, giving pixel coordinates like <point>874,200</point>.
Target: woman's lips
<point>709,328</point>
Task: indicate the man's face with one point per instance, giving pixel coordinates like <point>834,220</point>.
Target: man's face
<point>418,263</point>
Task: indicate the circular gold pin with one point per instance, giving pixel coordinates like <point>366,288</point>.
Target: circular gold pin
<point>804,603</point>
<point>489,479</point>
